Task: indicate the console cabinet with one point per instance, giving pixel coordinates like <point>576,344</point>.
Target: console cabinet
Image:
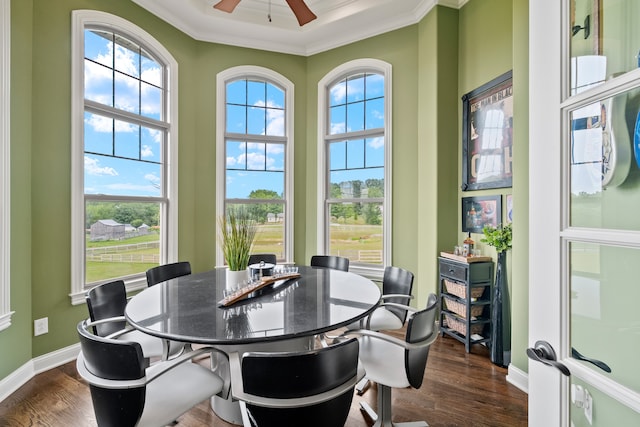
<point>465,300</point>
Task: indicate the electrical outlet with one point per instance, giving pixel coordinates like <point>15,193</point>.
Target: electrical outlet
<point>40,326</point>
<point>588,406</point>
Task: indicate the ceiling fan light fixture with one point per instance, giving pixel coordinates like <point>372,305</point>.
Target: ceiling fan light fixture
<point>303,14</point>
<point>226,5</point>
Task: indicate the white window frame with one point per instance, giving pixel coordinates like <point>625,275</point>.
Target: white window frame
<point>353,67</point>
<point>5,171</point>
<point>259,73</point>
<point>169,234</point>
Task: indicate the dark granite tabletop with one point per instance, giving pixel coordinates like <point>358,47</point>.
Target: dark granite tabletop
<point>186,308</point>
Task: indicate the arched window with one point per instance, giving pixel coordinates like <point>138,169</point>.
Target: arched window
<point>124,148</point>
<point>255,154</point>
<point>354,153</point>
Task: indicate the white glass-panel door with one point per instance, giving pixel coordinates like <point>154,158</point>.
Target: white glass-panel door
<point>585,199</point>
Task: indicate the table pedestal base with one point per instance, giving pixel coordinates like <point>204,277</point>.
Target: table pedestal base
<point>227,409</point>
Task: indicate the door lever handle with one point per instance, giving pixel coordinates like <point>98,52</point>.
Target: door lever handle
<point>543,352</point>
<point>600,364</point>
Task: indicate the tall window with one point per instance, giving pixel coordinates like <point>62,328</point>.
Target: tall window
<point>255,154</point>
<point>355,159</point>
<point>123,157</point>
<point>5,151</point>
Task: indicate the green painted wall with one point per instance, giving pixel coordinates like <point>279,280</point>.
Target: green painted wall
<point>434,62</point>
<point>17,338</point>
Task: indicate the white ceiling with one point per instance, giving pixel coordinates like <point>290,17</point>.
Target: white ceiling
<point>339,21</point>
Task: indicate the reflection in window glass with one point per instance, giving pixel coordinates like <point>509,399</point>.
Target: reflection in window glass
<point>604,314</point>
<point>603,39</point>
<point>601,158</point>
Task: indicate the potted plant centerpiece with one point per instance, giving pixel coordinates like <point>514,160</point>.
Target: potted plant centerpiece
<point>500,238</point>
<point>237,231</point>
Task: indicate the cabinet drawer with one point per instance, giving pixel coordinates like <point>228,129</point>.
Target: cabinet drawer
<point>454,270</point>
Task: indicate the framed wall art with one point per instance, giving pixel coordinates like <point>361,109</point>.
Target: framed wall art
<point>487,135</point>
<point>480,211</point>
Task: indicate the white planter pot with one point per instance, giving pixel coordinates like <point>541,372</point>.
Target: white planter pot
<point>234,278</point>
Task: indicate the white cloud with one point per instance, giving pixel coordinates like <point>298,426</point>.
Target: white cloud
<point>146,151</point>
<point>152,177</point>
<point>92,167</point>
<point>376,142</point>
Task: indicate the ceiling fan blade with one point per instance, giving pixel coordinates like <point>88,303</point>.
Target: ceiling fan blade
<point>226,5</point>
<point>302,11</point>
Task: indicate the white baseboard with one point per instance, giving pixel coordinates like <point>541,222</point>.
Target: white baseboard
<point>518,378</point>
<point>20,376</point>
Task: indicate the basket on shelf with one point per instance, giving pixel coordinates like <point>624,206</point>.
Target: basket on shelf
<point>461,309</point>
<point>460,289</point>
<point>460,326</point>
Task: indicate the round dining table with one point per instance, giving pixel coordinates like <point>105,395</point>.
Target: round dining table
<point>285,316</point>
<point>188,308</point>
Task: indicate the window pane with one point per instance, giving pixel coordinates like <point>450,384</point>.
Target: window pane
<point>98,83</point>
<point>98,47</point>
<point>604,315</point>
<point>355,154</point>
<point>237,92</point>
<point>256,156</point>
<point>122,239</point>
<point>236,119</point>
<point>127,57</point>
<point>355,117</point>
<point>610,45</point>
<point>256,119</point>
<point>338,155</point>
<point>355,88</point>
<point>240,184</point>
<point>150,70</point>
<point>271,225</point>
<point>275,157</point>
<point>375,113</point>
<point>127,140</point>
<point>601,158</point>
<point>338,120</point>
<point>127,93</point>
<point>375,86</point>
<point>256,93</point>
<point>275,122</point>
<point>356,232</point>
<point>115,176</point>
<point>98,134</point>
<point>375,152</point>
<point>275,96</point>
<point>151,101</point>
<point>151,145</point>
<point>359,183</point>
<point>338,94</point>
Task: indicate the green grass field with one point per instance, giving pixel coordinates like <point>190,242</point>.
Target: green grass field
<point>346,240</point>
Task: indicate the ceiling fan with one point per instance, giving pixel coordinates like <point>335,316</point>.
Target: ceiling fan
<point>303,14</point>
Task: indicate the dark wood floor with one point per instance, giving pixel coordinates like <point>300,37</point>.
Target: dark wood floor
<point>460,389</point>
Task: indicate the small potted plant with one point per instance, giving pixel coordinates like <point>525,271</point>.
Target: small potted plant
<point>500,238</point>
<point>237,231</point>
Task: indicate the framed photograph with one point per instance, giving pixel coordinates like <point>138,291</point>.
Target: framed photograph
<point>480,211</point>
<point>487,135</point>
<point>509,202</point>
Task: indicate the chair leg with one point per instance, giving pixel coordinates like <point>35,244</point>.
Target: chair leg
<point>383,418</point>
<point>362,386</point>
